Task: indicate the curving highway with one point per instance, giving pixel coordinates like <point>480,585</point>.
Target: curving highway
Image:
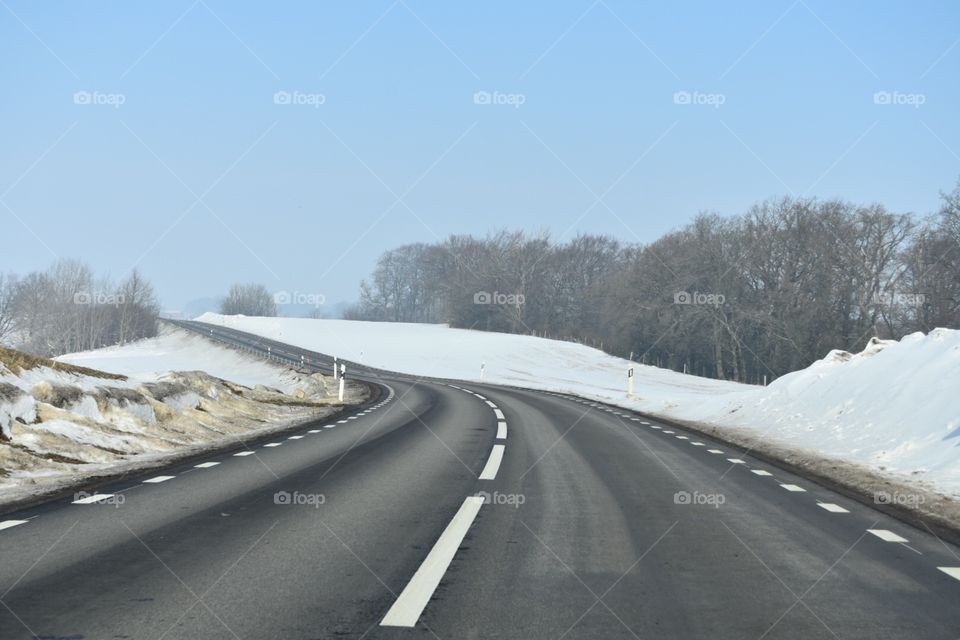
<point>460,510</point>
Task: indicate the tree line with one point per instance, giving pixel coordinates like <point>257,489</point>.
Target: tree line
<point>67,308</point>
<point>740,298</point>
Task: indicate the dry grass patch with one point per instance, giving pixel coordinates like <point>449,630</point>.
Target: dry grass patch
<point>16,361</point>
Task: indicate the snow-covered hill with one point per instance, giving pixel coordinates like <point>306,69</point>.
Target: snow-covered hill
<point>894,408</point>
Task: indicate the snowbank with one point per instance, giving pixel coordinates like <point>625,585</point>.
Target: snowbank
<point>893,408</point>
<point>60,423</point>
<point>178,350</point>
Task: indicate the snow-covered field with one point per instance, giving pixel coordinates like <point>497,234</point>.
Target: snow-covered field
<point>894,408</point>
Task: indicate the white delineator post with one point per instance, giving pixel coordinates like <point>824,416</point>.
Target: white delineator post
<point>483,369</point>
<point>335,376</point>
<point>343,370</point>
<point>630,381</point>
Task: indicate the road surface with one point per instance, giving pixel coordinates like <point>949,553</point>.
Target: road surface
<point>460,510</point>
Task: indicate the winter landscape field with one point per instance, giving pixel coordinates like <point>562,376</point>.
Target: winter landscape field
<point>409,319</point>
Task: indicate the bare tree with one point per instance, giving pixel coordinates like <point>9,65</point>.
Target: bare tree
<point>8,292</point>
<point>249,300</point>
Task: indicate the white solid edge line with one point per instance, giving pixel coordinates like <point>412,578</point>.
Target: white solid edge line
<point>832,508</point>
<point>501,430</point>
<point>413,599</point>
<point>953,572</point>
<point>206,465</point>
<point>7,524</point>
<point>158,479</point>
<point>887,536</point>
<point>499,414</point>
<point>493,463</point>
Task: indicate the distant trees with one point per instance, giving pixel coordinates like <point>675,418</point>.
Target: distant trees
<point>8,289</point>
<point>249,300</point>
<point>66,309</point>
<point>763,293</point>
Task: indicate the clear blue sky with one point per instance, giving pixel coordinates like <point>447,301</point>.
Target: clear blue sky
<point>303,197</point>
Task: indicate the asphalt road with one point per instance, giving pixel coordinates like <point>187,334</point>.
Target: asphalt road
<point>448,510</point>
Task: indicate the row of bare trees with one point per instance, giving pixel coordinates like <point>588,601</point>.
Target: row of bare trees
<point>67,308</point>
<point>740,298</point>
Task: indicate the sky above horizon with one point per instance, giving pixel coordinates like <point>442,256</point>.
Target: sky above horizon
<point>208,142</point>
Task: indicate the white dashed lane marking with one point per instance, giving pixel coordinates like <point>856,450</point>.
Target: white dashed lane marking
<point>97,497</point>
<point>243,453</point>
<point>792,487</point>
<point>736,461</point>
<point>887,536</point>
<point>953,572</point>
<point>7,524</point>
<point>832,508</point>
<point>273,444</point>
<point>493,463</point>
<point>158,479</point>
<point>295,438</point>
<point>314,431</point>
<point>761,472</point>
<point>413,599</point>
<point>501,430</point>
<point>697,444</point>
<point>499,414</point>
<point>714,451</point>
<point>206,465</point>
